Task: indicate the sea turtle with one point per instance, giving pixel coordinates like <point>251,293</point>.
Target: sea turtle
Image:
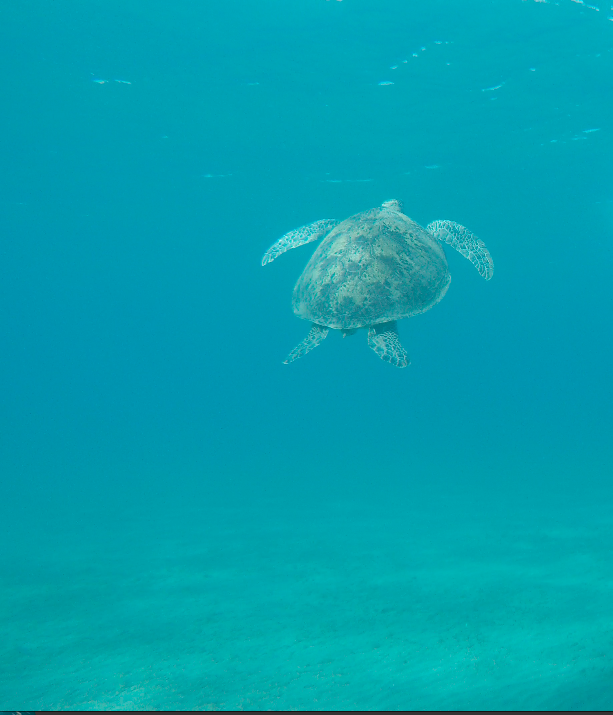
<point>371,270</point>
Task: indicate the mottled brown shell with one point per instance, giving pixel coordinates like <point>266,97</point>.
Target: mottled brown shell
<point>373,267</point>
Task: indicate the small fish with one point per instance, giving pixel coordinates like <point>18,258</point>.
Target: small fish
<point>122,81</point>
<point>384,84</point>
<point>491,89</point>
<point>589,131</point>
<point>100,81</point>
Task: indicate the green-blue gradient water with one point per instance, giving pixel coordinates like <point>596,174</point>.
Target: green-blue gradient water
<point>188,523</point>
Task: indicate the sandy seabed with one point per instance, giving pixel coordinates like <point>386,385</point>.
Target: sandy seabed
<point>338,608</point>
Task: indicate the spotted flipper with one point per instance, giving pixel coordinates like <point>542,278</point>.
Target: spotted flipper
<point>465,243</point>
<point>384,340</point>
<point>316,335</point>
<point>298,237</point>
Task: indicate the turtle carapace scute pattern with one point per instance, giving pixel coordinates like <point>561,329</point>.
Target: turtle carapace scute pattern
<point>371,270</point>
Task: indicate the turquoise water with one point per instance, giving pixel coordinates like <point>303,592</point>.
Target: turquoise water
<point>187,523</point>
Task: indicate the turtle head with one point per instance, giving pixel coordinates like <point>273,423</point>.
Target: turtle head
<point>392,205</point>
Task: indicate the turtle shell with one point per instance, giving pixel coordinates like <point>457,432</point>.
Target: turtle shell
<point>374,267</point>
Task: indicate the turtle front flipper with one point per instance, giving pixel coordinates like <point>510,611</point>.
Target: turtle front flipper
<point>298,237</point>
<point>316,335</point>
<point>384,340</point>
<point>465,243</point>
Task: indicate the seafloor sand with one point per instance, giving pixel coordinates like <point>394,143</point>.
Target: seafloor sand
<point>337,608</point>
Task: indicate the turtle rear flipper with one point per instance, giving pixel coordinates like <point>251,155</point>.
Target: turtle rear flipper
<point>384,340</point>
<point>465,243</point>
<point>298,237</point>
<point>317,333</point>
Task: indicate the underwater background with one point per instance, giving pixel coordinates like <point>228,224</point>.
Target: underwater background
<point>188,523</point>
